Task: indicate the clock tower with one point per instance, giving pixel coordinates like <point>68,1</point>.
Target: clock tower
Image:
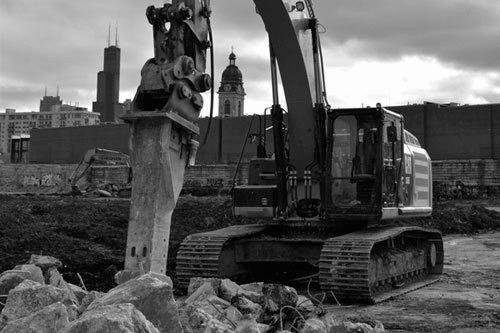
<point>231,91</point>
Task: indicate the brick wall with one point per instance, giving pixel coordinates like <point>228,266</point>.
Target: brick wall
<point>118,175</point>
<point>469,172</point>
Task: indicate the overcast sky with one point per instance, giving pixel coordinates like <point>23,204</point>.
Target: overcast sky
<point>388,51</point>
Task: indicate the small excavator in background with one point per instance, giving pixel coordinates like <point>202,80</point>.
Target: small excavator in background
<point>97,156</point>
<point>327,198</point>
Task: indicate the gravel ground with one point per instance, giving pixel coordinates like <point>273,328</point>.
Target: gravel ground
<point>466,299</point>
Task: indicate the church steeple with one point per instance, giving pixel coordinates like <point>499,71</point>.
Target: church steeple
<point>232,59</point>
<point>231,91</point>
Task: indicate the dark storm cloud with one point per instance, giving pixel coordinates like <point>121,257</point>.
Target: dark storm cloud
<point>458,31</point>
<point>50,42</point>
<point>463,32</point>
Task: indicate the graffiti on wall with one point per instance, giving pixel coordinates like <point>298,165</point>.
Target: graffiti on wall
<point>47,180</point>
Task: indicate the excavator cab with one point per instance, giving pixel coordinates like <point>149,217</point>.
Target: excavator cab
<point>367,164</point>
<point>378,172</point>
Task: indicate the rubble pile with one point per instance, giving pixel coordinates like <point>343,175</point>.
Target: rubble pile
<point>34,297</point>
<point>107,190</point>
<point>220,305</point>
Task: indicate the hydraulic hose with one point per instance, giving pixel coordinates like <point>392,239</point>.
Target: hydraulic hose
<point>212,93</point>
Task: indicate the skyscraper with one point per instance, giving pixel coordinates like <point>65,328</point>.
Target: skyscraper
<point>48,102</point>
<point>108,84</point>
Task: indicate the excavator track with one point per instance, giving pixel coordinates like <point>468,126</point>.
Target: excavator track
<point>377,264</point>
<point>199,254</point>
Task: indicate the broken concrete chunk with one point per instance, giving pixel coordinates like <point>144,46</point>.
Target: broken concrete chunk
<point>45,262</point>
<point>246,306</point>
<point>11,279</point>
<point>250,325</point>
<point>196,283</point>
<point>229,290</point>
<point>363,327</point>
<point>279,295</point>
<point>202,293</point>
<point>72,310</point>
<point>334,324</point>
<point>313,325</point>
<point>214,306</point>
<point>35,272</point>
<point>152,295</point>
<point>80,293</point>
<point>197,320</point>
<point>89,298</point>
<point>29,297</point>
<point>247,325</point>
<point>126,275</point>
<point>116,318</point>
<point>54,278</point>
<point>255,287</point>
<point>231,315</point>
<point>50,319</point>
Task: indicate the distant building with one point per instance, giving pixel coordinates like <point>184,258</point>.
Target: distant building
<point>108,85</point>
<point>447,133</point>
<point>47,102</point>
<point>14,123</point>
<point>231,91</point>
<point>20,148</point>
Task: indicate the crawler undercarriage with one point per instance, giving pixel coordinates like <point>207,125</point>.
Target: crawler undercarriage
<point>366,266</point>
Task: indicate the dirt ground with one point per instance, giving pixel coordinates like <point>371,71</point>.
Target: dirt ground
<point>89,236</point>
<point>466,299</point>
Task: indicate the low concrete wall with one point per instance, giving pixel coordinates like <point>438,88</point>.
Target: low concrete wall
<point>468,179</point>
<point>53,178</point>
<point>35,178</point>
<point>213,179</point>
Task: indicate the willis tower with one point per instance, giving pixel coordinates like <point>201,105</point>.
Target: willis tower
<point>108,84</point>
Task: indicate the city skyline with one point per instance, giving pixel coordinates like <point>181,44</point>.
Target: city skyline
<point>393,53</point>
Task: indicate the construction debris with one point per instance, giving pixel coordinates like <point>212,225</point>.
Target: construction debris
<point>45,262</point>
<point>274,307</point>
<point>146,304</point>
<point>52,318</point>
<point>30,297</point>
<point>112,318</point>
<point>152,295</point>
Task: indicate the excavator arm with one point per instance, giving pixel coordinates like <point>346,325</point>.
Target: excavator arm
<point>168,103</point>
<point>95,156</point>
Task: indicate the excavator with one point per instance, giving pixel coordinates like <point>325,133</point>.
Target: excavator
<point>96,156</point>
<point>337,179</point>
